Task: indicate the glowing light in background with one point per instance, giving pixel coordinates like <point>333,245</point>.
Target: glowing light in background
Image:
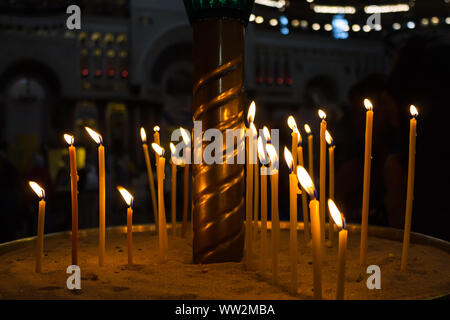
<point>386,8</point>
<point>411,25</point>
<point>334,9</point>
<point>340,27</point>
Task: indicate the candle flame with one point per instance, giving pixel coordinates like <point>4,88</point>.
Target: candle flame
<point>306,181</point>
<point>266,133</point>
<point>186,136</point>
<point>40,192</point>
<point>328,138</point>
<point>126,195</point>
<point>291,123</point>
<point>69,139</point>
<point>156,128</point>
<point>322,114</point>
<point>94,135</point>
<point>253,128</point>
<point>289,159</point>
<point>261,152</point>
<point>413,110</point>
<point>307,129</point>
<point>172,148</point>
<point>336,214</point>
<point>251,112</point>
<point>273,156</point>
<point>143,135</point>
<point>368,104</point>
<point>158,149</point>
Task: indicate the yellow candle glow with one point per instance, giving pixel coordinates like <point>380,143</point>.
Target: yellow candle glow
<point>331,147</point>
<point>306,225</point>
<point>323,177</point>
<point>163,241</point>
<point>250,132</point>
<point>74,196</point>
<point>129,201</point>
<point>156,140</point>
<point>263,246</point>
<point>308,185</point>
<point>173,207</point>
<point>295,135</point>
<point>41,221</point>
<point>366,185</point>
<point>256,173</point>
<point>274,210</point>
<point>293,190</point>
<point>410,187</point>
<point>310,151</point>
<point>151,181</point>
<point>187,141</point>
<point>338,218</point>
<point>101,194</point>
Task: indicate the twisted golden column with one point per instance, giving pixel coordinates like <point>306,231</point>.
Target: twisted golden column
<point>218,102</point>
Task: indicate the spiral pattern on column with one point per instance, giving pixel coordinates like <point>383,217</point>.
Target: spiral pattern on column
<point>218,189</point>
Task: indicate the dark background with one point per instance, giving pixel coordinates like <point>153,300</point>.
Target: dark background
<point>130,65</point>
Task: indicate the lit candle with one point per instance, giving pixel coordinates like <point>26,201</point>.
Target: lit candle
<point>366,185</point>
<point>323,181</point>
<point>256,195</point>
<point>251,130</point>
<point>173,207</point>
<point>129,201</point>
<point>187,141</point>
<point>157,141</point>
<point>331,147</point>
<point>310,151</point>
<point>274,210</point>
<point>308,186</point>
<point>293,190</point>
<point>264,171</point>
<point>151,181</point>
<point>306,226</point>
<point>156,134</point>
<point>163,244</point>
<point>339,219</point>
<point>410,187</point>
<point>294,135</point>
<point>74,188</point>
<point>40,230</point>
<point>101,193</point>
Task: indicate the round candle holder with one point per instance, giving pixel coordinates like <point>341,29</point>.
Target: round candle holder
<point>373,232</point>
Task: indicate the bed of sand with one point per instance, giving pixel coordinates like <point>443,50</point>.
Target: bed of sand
<point>428,274</point>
